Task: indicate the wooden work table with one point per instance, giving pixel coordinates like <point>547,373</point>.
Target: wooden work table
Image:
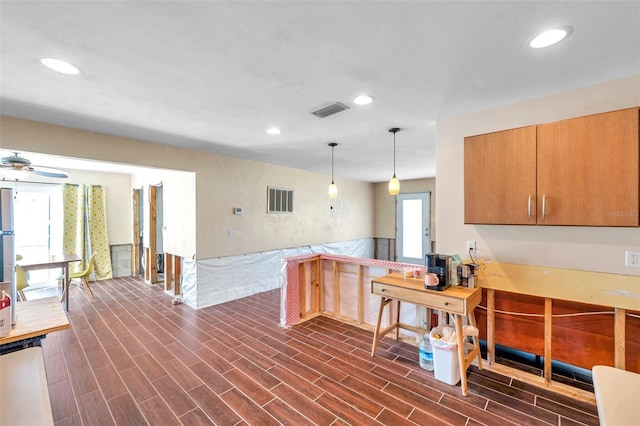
<point>34,320</point>
<point>456,300</point>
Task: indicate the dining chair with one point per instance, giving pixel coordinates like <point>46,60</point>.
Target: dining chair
<point>83,277</point>
<point>21,282</point>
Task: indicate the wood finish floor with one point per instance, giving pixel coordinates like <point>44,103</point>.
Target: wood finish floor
<point>133,358</point>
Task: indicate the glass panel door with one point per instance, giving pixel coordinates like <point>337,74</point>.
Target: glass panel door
<point>38,225</point>
<point>413,223</point>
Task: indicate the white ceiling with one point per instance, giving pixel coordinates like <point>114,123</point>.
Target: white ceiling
<point>213,75</point>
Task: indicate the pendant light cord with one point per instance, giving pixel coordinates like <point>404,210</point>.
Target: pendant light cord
<point>333,146</point>
<point>394,154</point>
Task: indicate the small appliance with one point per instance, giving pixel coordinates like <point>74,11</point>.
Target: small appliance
<point>468,274</point>
<point>438,264</point>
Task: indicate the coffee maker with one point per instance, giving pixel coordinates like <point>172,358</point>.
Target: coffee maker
<point>439,264</point>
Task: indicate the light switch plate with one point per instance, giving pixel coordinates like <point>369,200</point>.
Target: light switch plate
<point>471,246</point>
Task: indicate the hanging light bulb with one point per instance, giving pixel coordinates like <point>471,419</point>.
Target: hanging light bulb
<point>333,189</point>
<point>394,183</point>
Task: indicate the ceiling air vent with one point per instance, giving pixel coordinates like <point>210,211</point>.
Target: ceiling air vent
<point>329,110</point>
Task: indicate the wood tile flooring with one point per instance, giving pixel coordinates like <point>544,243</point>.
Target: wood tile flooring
<point>133,358</point>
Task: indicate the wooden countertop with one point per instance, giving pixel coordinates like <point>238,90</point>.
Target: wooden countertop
<point>37,318</point>
<point>596,288</point>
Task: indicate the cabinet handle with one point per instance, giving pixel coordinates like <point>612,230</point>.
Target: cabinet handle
<point>446,303</point>
<point>383,290</point>
<point>529,208</point>
<point>544,206</point>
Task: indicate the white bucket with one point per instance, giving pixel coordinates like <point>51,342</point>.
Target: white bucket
<point>446,365</point>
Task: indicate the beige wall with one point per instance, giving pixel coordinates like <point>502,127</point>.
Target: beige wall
<point>202,217</point>
<point>231,182</point>
<point>385,206</point>
<point>584,248</point>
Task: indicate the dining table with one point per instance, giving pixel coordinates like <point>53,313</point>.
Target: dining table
<point>53,262</point>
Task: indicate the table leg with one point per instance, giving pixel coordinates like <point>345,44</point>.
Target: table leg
<point>376,334</point>
<point>398,319</point>
<point>476,343</point>
<point>461,357</point>
<point>66,286</point>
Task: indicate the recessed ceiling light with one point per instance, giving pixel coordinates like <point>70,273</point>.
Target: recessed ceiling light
<point>550,37</point>
<point>363,100</point>
<point>273,131</point>
<point>61,66</point>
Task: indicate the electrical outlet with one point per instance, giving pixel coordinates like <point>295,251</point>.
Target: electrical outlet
<point>471,246</point>
<point>632,258</point>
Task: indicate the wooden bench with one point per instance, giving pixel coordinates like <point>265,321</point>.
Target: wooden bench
<point>24,396</point>
<point>617,395</point>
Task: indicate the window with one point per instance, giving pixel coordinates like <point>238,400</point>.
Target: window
<point>279,200</point>
<point>38,224</point>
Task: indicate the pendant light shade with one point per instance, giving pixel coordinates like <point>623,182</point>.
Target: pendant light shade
<point>333,189</point>
<point>394,183</point>
<point>394,186</point>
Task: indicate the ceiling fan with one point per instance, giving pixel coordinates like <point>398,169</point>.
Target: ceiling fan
<point>15,167</point>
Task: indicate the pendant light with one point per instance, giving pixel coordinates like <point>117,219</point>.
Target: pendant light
<point>394,183</point>
<point>333,189</point>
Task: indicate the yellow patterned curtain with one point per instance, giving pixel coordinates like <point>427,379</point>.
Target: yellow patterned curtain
<point>73,239</point>
<point>85,227</point>
<point>97,227</point>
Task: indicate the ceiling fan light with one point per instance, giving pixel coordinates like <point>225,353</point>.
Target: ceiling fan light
<point>15,174</point>
<point>60,66</point>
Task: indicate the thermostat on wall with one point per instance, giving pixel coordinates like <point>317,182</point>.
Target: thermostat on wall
<point>237,210</point>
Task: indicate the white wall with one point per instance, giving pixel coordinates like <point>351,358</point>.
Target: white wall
<point>583,248</point>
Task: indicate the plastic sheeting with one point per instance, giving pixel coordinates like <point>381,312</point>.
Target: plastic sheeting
<point>210,282</point>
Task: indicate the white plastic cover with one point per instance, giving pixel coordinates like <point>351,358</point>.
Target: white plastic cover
<point>212,281</point>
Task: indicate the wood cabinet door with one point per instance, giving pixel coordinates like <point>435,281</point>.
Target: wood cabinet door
<point>588,170</point>
<point>500,177</point>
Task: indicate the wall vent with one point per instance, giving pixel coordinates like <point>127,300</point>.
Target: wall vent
<point>279,200</point>
<point>329,110</point>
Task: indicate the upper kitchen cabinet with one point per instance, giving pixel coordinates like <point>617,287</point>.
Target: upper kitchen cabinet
<point>582,171</point>
<point>500,177</point>
<point>588,170</point>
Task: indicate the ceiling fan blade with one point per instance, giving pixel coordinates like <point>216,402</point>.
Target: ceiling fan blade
<point>49,172</point>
